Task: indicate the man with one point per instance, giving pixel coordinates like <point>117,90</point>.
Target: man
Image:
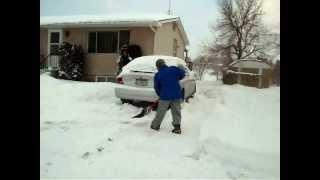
<point>124,58</point>
<point>167,87</point>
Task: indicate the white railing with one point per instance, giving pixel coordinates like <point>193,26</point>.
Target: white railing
<point>53,61</point>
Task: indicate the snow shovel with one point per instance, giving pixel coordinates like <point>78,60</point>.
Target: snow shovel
<point>146,110</point>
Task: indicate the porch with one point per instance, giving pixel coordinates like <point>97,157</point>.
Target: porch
<point>49,62</point>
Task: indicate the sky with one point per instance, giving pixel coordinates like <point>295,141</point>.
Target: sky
<point>196,15</point>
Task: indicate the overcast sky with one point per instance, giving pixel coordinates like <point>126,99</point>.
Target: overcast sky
<point>196,15</point>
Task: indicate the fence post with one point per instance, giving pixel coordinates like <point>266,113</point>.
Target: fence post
<point>260,77</point>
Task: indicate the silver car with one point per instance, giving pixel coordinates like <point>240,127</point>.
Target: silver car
<point>136,79</point>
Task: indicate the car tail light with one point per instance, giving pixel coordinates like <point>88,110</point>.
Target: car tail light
<point>120,80</point>
<point>154,105</point>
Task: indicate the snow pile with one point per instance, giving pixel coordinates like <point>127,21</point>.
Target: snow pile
<point>244,128</point>
<point>229,132</point>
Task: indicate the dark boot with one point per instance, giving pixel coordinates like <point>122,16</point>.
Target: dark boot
<point>177,129</point>
<point>155,128</point>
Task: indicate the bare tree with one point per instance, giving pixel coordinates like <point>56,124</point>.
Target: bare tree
<point>271,46</point>
<point>200,66</point>
<point>239,28</point>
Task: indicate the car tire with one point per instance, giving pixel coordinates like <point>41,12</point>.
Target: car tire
<point>123,101</point>
<point>184,98</point>
<point>195,90</point>
<point>182,93</point>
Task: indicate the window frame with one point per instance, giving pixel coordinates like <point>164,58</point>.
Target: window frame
<point>60,31</point>
<point>96,31</point>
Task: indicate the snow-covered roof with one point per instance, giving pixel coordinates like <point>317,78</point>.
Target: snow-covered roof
<point>104,19</point>
<point>111,20</point>
<point>250,63</point>
<point>241,60</point>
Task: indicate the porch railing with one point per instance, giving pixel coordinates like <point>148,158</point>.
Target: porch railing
<point>49,62</point>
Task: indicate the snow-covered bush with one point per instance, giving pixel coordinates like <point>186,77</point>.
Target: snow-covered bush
<point>72,62</point>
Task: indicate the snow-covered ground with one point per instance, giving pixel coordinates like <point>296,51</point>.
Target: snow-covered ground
<point>209,75</point>
<point>229,132</point>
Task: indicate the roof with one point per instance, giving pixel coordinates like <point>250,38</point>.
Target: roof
<point>250,63</point>
<point>241,60</point>
<point>112,20</point>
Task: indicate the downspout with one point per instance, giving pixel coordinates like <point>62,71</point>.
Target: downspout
<point>152,28</point>
<point>260,77</point>
<point>154,37</point>
<point>239,75</point>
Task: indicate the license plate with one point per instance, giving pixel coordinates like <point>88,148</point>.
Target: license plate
<point>141,82</point>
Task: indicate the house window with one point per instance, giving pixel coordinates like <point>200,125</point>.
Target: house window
<point>103,42</point>
<point>107,42</point>
<point>175,47</point>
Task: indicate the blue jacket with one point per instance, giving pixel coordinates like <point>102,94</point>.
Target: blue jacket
<point>166,82</point>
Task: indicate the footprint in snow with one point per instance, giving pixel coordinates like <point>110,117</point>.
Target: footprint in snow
<point>194,156</point>
<point>125,122</point>
<point>48,122</point>
<point>44,128</point>
<point>100,149</point>
<point>85,155</point>
<point>235,175</point>
<point>64,128</point>
<point>141,124</point>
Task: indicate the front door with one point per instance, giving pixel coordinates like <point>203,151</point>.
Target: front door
<point>55,40</point>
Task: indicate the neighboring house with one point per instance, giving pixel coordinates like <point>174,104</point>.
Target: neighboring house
<point>276,70</point>
<point>248,72</point>
<point>102,36</point>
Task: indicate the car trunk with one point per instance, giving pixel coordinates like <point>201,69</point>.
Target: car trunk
<point>139,79</point>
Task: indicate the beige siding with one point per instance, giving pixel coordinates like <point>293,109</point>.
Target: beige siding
<point>105,64</point>
<point>164,38</point>
<point>101,64</point>
<point>96,63</point>
<point>78,36</point>
<point>43,41</point>
<point>140,36</point>
<point>144,37</point>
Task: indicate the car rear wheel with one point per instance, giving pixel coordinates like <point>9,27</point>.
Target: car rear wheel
<point>194,92</point>
<point>126,101</point>
<point>184,98</point>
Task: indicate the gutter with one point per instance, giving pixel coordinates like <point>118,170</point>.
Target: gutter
<point>152,28</point>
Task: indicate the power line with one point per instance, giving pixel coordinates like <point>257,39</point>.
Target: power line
<point>169,11</point>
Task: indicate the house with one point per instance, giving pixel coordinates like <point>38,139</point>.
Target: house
<point>102,36</point>
<point>276,70</point>
<point>248,72</point>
